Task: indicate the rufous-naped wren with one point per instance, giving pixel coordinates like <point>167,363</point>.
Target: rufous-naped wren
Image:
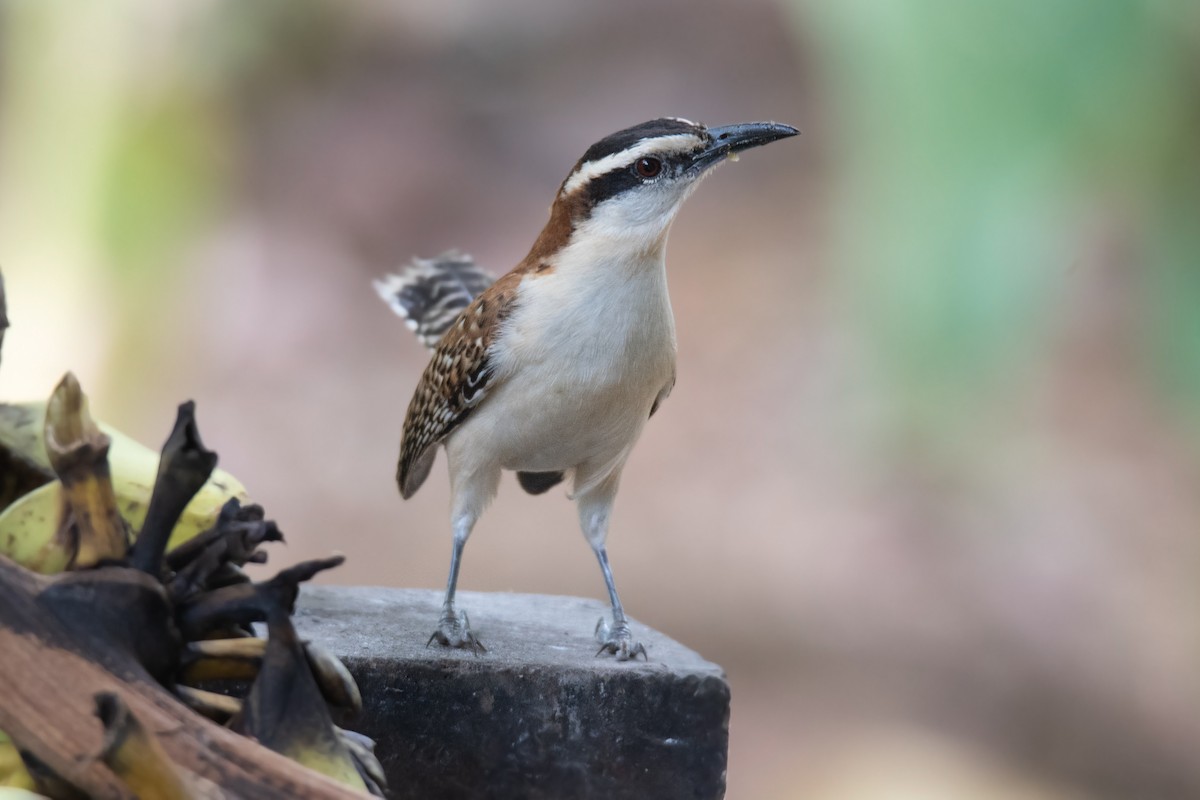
<point>553,369</point>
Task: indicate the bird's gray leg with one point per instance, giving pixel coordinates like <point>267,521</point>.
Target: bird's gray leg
<point>454,629</point>
<point>594,509</point>
<point>472,488</point>
<point>615,638</point>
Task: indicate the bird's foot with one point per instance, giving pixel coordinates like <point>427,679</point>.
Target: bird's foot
<point>454,630</point>
<point>618,640</point>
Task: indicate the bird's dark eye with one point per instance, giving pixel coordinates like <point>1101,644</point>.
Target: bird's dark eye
<point>648,167</point>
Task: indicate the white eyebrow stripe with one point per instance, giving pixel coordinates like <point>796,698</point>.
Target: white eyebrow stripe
<point>656,144</point>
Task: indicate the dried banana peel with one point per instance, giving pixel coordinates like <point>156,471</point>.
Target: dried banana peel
<point>78,453</point>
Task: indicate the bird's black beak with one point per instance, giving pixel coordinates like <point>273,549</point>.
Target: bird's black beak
<point>730,139</point>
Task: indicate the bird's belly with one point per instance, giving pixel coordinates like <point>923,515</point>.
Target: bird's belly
<point>564,423</point>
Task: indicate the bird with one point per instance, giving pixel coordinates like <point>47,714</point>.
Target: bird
<point>553,369</point>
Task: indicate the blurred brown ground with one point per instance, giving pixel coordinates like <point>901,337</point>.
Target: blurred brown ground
<point>1016,627</point>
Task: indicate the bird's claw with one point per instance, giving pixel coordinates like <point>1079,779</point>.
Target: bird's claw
<point>454,630</point>
<point>617,640</point>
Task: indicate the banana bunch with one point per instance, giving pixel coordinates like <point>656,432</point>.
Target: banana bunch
<point>75,490</point>
<point>35,525</point>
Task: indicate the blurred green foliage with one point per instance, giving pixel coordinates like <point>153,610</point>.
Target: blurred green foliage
<point>127,113</point>
<point>120,155</point>
<point>162,175</point>
<point>975,143</point>
<point>976,146</point>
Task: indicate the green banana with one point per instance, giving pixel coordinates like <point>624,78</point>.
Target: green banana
<point>36,532</point>
<point>222,660</point>
<point>214,705</point>
<point>13,774</point>
<point>33,528</point>
<point>241,659</point>
<point>336,683</point>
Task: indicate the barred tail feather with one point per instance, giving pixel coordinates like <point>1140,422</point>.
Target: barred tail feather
<point>431,292</point>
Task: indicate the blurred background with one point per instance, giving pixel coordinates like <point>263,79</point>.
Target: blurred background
<point>927,484</point>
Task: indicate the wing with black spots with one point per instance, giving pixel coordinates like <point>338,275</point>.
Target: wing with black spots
<point>456,380</point>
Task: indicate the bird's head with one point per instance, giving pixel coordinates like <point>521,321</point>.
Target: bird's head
<point>627,187</point>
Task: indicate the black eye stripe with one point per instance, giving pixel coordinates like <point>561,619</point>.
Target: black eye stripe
<point>622,179</point>
<point>611,184</point>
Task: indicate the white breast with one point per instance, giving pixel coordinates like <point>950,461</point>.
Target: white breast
<point>586,350</point>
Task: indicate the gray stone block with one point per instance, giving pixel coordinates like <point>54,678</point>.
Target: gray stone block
<point>538,715</point>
